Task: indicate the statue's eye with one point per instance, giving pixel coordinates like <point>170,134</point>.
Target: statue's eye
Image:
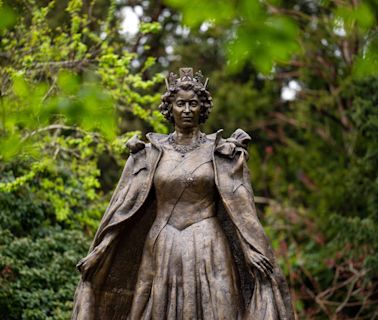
<point>193,103</point>
<point>179,103</point>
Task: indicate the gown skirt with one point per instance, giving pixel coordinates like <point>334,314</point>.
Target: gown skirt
<point>189,275</point>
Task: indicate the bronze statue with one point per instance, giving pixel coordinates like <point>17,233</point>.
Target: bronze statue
<point>181,238</point>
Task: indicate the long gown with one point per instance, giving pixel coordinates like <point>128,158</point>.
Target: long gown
<point>188,271</point>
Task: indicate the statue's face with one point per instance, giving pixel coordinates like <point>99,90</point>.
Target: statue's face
<point>186,109</point>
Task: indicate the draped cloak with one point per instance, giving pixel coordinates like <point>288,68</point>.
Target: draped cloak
<point>107,293</point>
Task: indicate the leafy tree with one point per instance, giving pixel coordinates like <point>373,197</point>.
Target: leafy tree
<point>65,88</point>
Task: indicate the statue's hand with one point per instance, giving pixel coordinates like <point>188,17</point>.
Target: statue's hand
<point>87,264</point>
<point>262,264</point>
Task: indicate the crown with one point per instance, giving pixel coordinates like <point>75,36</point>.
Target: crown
<point>186,75</point>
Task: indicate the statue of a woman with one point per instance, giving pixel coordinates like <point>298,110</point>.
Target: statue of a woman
<point>181,238</point>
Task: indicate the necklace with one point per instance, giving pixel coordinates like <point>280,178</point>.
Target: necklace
<point>185,148</point>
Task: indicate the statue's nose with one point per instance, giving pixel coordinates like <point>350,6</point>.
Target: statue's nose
<point>187,107</point>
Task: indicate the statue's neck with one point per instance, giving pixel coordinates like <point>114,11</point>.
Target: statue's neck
<point>186,135</point>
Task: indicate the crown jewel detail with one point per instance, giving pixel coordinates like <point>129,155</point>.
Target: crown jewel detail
<point>186,75</point>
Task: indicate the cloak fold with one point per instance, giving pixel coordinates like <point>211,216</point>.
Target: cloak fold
<point>107,293</point>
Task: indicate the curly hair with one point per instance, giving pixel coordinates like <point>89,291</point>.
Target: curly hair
<point>206,101</point>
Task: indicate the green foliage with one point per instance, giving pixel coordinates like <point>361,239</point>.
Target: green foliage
<point>7,17</point>
<point>330,224</point>
<point>37,281</point>
<point>258,36</point>
<point>268,33</point>
<point>151,27</point>
<point>73,91</point>
<point>65,89</point>
<point>69,74</point>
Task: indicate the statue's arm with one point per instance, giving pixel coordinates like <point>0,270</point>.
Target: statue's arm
<point>241,207</point>
<point>259,256</point>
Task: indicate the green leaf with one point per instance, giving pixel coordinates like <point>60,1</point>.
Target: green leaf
<point>150,27</point>
<point>367,62</point>
<point>196,12</point>
<point>68,82</point>
<point>362,15</point>
<point>7,17</point>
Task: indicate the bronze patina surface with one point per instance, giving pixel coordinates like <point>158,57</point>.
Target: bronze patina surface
<point>181,238</point>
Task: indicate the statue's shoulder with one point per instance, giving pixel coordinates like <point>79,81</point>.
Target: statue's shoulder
<point>143,153</point>
<point>239,137</point>
<point>156,139</point>
<point>136,145</point>
<point>230,147</point>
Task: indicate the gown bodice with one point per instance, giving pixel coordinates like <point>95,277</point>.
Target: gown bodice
<point>185,186</point>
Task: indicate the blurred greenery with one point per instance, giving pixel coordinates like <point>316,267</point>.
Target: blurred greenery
<point>299,76</point>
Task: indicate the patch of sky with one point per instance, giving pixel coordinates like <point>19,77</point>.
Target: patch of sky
<point>290,91</point>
